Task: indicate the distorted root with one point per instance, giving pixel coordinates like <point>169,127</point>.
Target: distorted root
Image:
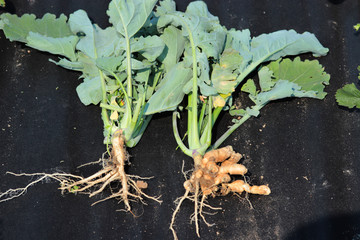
<point>212,177</point>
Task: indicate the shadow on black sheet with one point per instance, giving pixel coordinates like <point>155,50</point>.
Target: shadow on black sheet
<point>336,1</point>
<point>339,227</point>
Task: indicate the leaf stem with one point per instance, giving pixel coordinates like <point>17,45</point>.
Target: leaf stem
<point>215,114</point>
<point>104,113</point>
<point>177,136</point>
<point>234,127</point>
<point>126,120</point>
<point>202,113</point>
<point>128,68</point>
<point>111,107</point>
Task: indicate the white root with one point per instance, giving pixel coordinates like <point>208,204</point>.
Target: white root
<point>113,171</point>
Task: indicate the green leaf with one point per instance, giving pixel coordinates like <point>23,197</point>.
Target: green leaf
<point>175,44</point>
<point>63,62</point>
<point>203,80</point>
<point>49,34</point>
<point>225,73</point>
<point>109,64</point>
<point>96,42</point>
<point>249,87</point>
<point>272,46</point>
<point>128,16</point>
<point>348,96</point>
<point>64,46</point>
<point>265,79</point>
<point>208,34</point>
<point>292,79</point>
<point>268,47</point>
<point>165,7</point>
<point>84,63</point>
<point>282,89</point>
<point>237,112</point>
<point>136,64</point>
<point>240,41</point>
<point>170,94</point>
<point>150,47</point>
<point>142,76</point>
<point>90,91</point>
<point>89,65</point>
<point>309,75</point>
<point>18,28</point>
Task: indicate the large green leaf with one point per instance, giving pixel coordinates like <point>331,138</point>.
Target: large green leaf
<point>96,42</point>
<point>203,80</point>
<point>109,64</point>
<point>18,28</point>
<point>308,74</point>
<point>207,33</point>
<point>348,96</point>
<point>175,44</point>
<point>286,78</point>
<point>240,41</point>
<point>90,91</point>
<point>64,46</point>
<point>273,46</point>
<point>282,89</point>
<point>224,73</point>
<point>151,47</point>
<point>84,64</point>
<point>128,16</point>
<point>170,95</point>
<point>49,34</point>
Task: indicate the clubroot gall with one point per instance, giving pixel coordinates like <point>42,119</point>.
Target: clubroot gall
<point>212,177</point>
<point>215,62</point>
<point>215,168</point>
<point>120,69</point>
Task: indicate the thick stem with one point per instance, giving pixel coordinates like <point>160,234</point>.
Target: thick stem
<point>194,138</point>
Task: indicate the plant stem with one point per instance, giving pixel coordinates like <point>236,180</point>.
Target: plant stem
<point>111,107</point>
<point>128,57</point>
<point>128,68</point>
<point>126,120</point>
<point>104,113</point>
<point>202,114</point>
<point>194,138</point>
<point>178,138</point>
<point>234,127</point>
<point>208,127</point>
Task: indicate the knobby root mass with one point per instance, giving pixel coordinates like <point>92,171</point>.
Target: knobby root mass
<point>212,177</point>
<point>113,171</point>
